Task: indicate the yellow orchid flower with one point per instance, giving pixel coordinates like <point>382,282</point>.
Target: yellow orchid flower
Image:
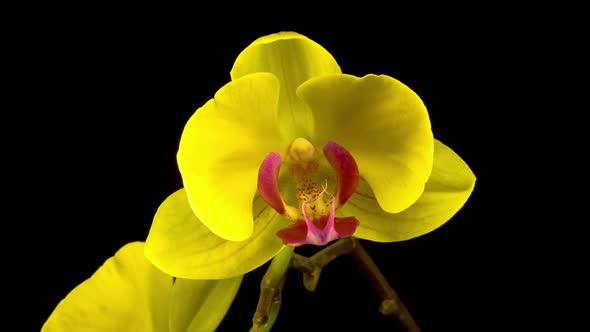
<point>128,293</point>
<point>358,153</point>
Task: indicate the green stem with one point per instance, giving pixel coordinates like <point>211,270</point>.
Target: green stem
<point>280,263</point>
<point>270,289</point>
<point>274,311</point>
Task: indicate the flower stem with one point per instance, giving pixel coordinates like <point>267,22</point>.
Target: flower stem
<point>311,269</point>
<point>274,311</point>
<point>270,289</point>
<point>391,304</point>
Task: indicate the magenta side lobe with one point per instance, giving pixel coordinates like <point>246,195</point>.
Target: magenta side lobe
<point>268,185</point>
<point>347,171</point>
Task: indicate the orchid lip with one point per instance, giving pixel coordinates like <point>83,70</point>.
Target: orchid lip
<point>315,221</point>
<point>316,235</point>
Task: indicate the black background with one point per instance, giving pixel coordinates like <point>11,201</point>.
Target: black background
<point>108,97</point>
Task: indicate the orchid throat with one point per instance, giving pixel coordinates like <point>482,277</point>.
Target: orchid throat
<point>314,217</point>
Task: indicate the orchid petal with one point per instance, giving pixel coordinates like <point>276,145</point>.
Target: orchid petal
<point>385,127</point>
<point>447,190</point>
<point>201,305</point>
<point>126,293</point>
<point>221,149</point>
<point>180,245</point>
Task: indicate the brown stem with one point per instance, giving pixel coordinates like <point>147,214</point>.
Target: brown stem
<point>337,249</point>
<point>391,304</point>
<point>310,271</point>
<point>311,267</point>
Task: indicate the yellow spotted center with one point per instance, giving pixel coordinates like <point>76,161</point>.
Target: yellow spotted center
<point>303,162</point>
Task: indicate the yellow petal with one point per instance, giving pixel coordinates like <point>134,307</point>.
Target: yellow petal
<point>447,190</point>
<point>126,293</point>
<point>221,149</point>
<point>180,245</point>
<point>293,58</point>
<point>200,305</point>
<point>383,124</point>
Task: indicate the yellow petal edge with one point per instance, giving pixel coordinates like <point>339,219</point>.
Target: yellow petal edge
<point>448,188</point>
<point>180,245</point>
<point>221,149</point>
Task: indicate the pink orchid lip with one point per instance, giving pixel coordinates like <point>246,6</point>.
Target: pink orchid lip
<point>316,235</point>
<point>306,230</point>
<point>322,236</point>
